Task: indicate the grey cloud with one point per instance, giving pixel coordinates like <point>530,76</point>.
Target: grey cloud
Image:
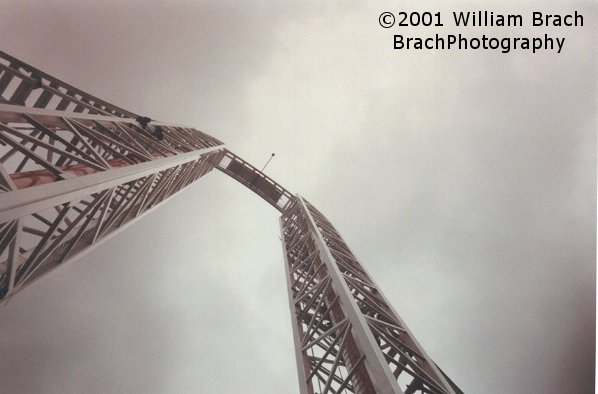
<point>465,182</point>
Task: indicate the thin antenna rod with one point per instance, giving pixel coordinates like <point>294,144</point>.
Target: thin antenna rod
<point>262,170</point>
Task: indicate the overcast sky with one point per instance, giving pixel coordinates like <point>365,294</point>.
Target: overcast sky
<point>464,182</point>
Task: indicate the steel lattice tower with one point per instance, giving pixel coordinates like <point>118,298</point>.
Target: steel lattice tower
<point>75,170</point>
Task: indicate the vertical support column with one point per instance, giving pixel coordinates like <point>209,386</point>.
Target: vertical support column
<point>303,368</point>
<point>348,339</point>
<point>412,367</point>
<point>381,375</point>
<point>333,350</point>
<point>69,181</point>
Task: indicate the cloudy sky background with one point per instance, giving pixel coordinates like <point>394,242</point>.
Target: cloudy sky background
<point>464,181</point>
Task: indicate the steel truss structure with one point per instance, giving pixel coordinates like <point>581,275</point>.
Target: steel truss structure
<point>75,170</point>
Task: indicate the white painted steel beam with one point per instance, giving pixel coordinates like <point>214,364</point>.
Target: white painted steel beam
<point>19,203</point>
<point>329,290</point>
<point>382,378</point>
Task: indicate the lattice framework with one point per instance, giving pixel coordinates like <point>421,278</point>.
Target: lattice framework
<point>348,338</point>
<point>75,170</point>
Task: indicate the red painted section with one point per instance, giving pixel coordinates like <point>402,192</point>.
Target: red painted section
<point>26,179</point>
